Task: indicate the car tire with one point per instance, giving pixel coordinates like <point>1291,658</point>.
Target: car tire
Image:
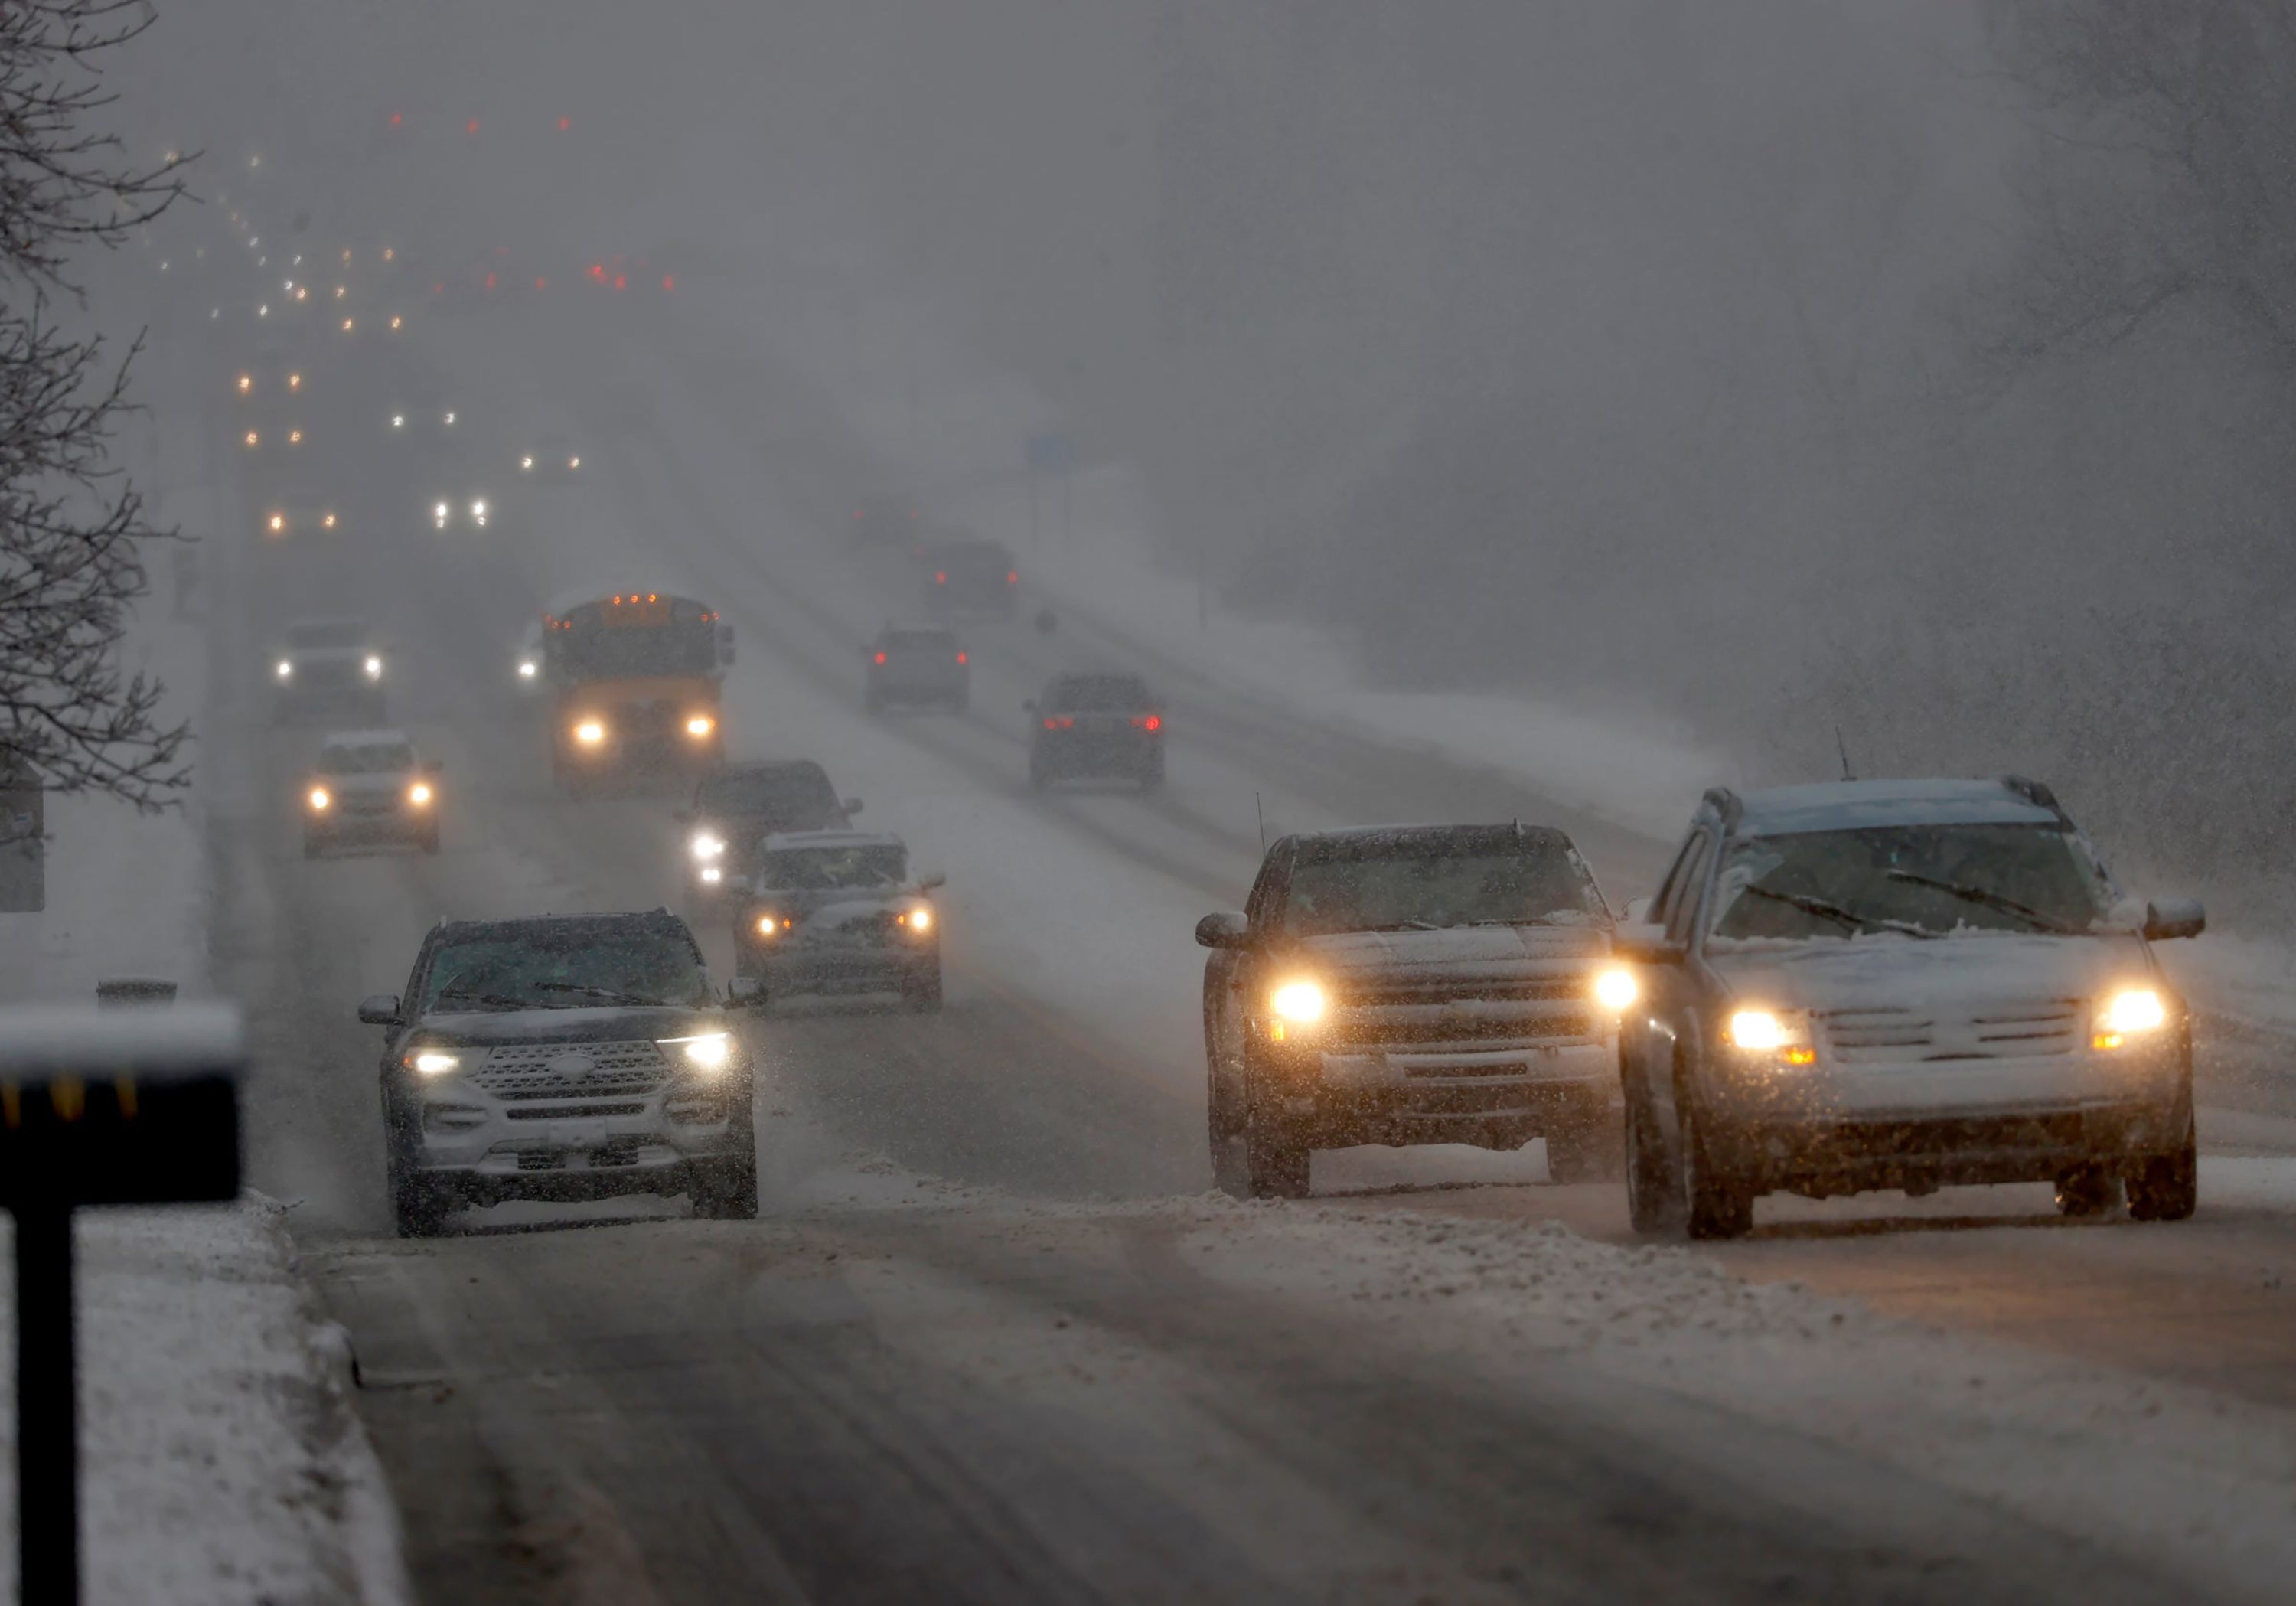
<point>727,1191</point>
<point>1276,1164</point>
<point>1653,1193</point>
<point>416,1208</point>
<point>2086,1190</point>
<point>2166,1186</point>
<point>1718,1205</point>
<point>1225,1116</point>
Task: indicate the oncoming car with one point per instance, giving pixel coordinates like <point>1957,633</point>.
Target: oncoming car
<point>1440,984</point>
<point>563,1056</point>
<point>330,669</point>
<point>1901,985</point>
<point>553,457</point>
<point>834,914</point>
<point>367,787</point>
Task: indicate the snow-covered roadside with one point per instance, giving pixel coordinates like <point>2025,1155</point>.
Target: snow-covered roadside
<point>221,1459</point>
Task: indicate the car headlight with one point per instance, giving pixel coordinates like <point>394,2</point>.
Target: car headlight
<point>373,667</point>
<point>774,925</point>
<point>278,523</point>
<point>711,874</point>
<point>430,1062</point>
<point>318,800</point>
<point>526,669</point>
<point>526,462</point>
<point>1616,988</point>
<point>2131,1012</point>
<point>590,732</point>
<point>709,1052</point>
<point>706,846</point>
<point>699,725</point>
<point>284,670</point>
<point>478,510</point>
<point>573,463</point>
<point>920,918</point>
<point>419,794</point>
<point>1301,1002</point>
<point>1785,1036</point>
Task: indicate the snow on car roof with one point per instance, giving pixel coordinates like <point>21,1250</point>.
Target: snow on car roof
<point>1852,805</point>
<point>792,841</point>
<point>366,738</point>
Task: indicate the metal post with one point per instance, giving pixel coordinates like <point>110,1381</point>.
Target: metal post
<point>47,1401</point>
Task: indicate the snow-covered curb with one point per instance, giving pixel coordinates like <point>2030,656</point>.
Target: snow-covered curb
<point>221,1458</point>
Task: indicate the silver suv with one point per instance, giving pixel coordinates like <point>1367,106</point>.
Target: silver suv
<point>564,1057</point>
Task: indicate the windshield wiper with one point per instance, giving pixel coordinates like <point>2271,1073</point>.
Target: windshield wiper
<point>639,999</point>
<point>1991,900</point>
<point>1835,912</point>
<point>493,999</point>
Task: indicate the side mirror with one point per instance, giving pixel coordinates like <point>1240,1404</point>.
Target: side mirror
<point>1642,943</point>
<point>851,805</point>
<point>1637,912</point>
<point>379,1009</point>
<point>1223,928</point>
<point>2169,917</point>
<point>745,993</point>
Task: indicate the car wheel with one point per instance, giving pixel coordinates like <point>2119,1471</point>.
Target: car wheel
<point>416,1208</point>
<point>1654,1198</point>
<point>1224,1118</point>
<point>1275,1162</point>
<point>2166,1186</point>
<point>728,1190</point>
<point>1720,1206</point>
<point>2086,1190</point>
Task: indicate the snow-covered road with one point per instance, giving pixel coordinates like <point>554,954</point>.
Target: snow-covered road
<point>988,1342</point>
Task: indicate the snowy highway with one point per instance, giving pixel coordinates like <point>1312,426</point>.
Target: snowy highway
<point>990,1340</point>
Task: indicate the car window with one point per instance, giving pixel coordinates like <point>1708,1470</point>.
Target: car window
<point>1428,883</point>
<point>337,633</point>
<point>836,869</point>
<point>1097,694</point>
<point>921,641</point>
<point>796,797</point>
<point>575,966</point>
<point>1932,879</point>
<point>379,758</point>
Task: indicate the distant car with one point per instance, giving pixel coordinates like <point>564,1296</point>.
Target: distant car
<point>737,807</point>
<point>367,787</point>
<point>833,913</point>
<point>917,665</point>
<point>884,521</point>
<point>331,669</point>
<point>1441,983</point>
<point>527,662</point>
<point>302,508</point>
<point>971,577</point>
<point>563,1056</point>
<point>1097,727</point>
<point>1900,984</point>
<point>553,457</point>
<point>461,510</point>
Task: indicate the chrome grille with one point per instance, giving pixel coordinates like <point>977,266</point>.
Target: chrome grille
<point>1887,1035</point>
<point>522,1070</point>
<point>1517,1012</point>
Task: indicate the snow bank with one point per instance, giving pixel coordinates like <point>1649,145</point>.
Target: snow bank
<point>221,1458</point>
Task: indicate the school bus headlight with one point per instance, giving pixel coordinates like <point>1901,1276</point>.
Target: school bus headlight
<point>699,725</point>
<point>419,795</point>
<point>319,800</point>
<point>590,732</point>
<point>284,670</point>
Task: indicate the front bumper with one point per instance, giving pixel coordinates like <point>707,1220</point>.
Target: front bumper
<point>469,1146</point>
<point>1497,1096</point>
<point>1085,757</point>
<point>344,826</point>
<point>838,972</point>
<point>1962,1123</point>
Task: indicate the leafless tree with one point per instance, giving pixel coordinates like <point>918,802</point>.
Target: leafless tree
<point>73,528</point>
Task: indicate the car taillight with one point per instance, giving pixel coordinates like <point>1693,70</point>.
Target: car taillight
<point>965,657</point>
<point>881,657</point>
<point>1147,721</point>
<point>1059,722</point>
<point>1012,577</point>
<point>940,577</point>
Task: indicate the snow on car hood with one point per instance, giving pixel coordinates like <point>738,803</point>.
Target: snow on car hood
<point>616,1023</point>
<point>1971,968</point>
<point>1458,950</point>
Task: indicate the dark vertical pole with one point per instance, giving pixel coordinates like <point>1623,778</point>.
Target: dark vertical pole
<point>1035,534</point>
<point>47,1397</point>
<point>1068,511</point>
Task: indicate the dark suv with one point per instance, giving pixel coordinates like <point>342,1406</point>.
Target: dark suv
<point>1872,985</point>
<point>1412,985</point>
<point>565,1057</point>
<point>736,807</point>
<point>971,577</point>
<point>1097,727</point>
<point>918,665</point>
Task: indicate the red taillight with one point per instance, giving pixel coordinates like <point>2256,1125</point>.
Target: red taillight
<point>621,281</point>
<point>398,118</point>
<point>471,126</point>
<point>1148,721</point>
<point>490,280</point>
<point>565,123</point>
<point>881,657</point>
<point>669,281</point>
<point>1059,722</point>
<point>965,657</point>
<point>940,577</point>
<point>1012,577</point>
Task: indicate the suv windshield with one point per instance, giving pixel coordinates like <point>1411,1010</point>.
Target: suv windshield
<point>329,633</point>
<point>566,967</point>
<point>1428,883</point>
<point>823,869</point>
<point>1926,880</point>
<point>382,758</point>
<point>939,643</point>
<point>1097,694</point>
<point>796,797</point>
